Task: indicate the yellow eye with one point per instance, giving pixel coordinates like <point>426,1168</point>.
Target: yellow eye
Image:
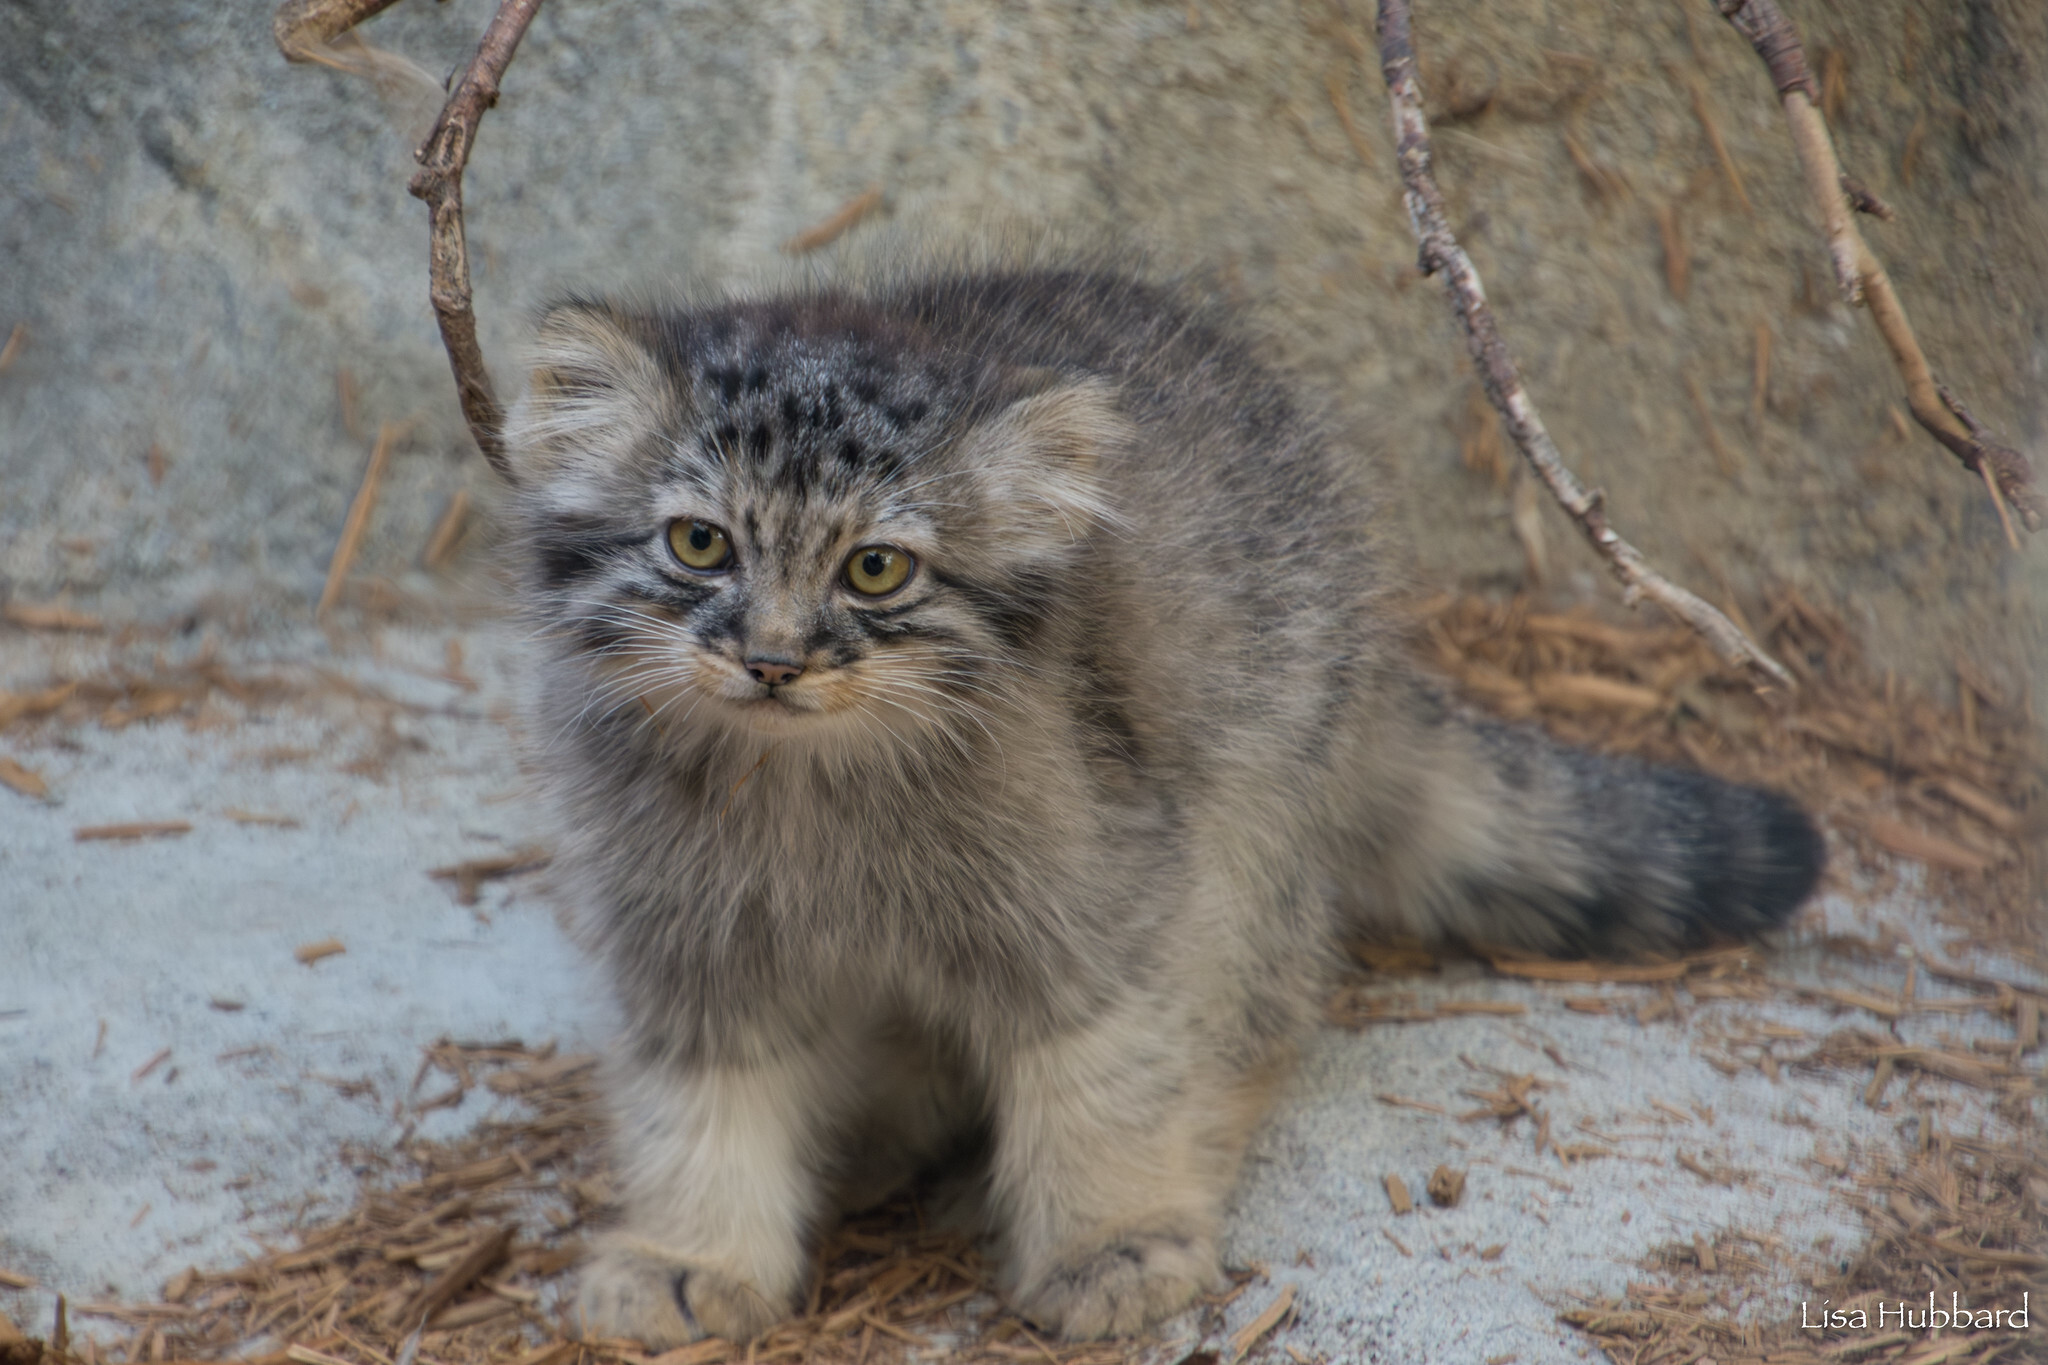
<point>878,570</point>
<point>699,545</point>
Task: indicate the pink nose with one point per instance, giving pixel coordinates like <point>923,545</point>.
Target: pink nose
<point>774,672</point>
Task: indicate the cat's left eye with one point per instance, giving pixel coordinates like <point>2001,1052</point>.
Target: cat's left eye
<point>878,570</point>
<point>699,545</point>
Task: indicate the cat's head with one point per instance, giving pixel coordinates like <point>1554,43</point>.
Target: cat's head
<point>795,519</point>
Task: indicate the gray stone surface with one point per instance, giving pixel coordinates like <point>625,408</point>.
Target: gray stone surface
<point>199,237</point>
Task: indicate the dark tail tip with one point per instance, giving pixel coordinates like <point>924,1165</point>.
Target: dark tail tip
<point>1798,856</point>
<point>1762,860</point>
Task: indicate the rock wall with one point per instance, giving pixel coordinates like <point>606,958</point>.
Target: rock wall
<point>200,238</point>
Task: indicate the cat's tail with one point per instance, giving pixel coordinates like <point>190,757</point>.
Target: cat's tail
<point>1497,834</point>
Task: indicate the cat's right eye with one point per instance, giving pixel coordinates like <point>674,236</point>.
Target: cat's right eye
<point>699,545</point>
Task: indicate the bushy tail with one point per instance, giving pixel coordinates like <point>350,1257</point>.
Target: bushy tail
<point>1497,834</point>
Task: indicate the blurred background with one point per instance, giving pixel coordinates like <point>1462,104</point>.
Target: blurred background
<point>220,279</point>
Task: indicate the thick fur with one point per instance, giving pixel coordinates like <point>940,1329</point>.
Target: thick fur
<point>1044,855</point>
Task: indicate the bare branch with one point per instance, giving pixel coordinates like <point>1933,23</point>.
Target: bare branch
<point>439,183</point>
<point>304,31</point>
<point>1861,278</point>
<point>1498,374</point>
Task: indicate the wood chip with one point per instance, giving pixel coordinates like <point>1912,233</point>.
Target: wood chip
<point>1705,115</point>
<point>832,229</point>
<point>31,617</point>
<point>309,953</point>
<point>134,829</point>
<point>257,817</point>
<point>2025,1260</point>
<point>1977,801</point>
<point>1701,1170</point>
<point>1725,460</point>
<point>152,1064</point>
<point>447,531</point>
<point>1455,1007</point>
<point>559,1353</point>
<point>1403,1102</point>
<point>27,781</point>
<point>16,706</point>
<point>1547,969</point>
<point>306,1355</point>
<point>1704,1250</point>
<point>696,1353</point>
<point>14,1279</point>
<point>1446,1186</point>
<point>470,876</point>
<point>1671,1110</point>
<point>1677,259</point>
<point>458,1316</point>
<point>1247,1336</point>
<point>1923,846</point>
<point>1881,1006</point>
<point>16,339</point>
<point>1589,691</point>
<point>1397,1195</point>
<point>483,1257</point>
<point>357,523</point>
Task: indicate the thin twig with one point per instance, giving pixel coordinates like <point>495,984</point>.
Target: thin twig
<point>1857,272</point>
<point>438,182</point>
<point>1441,255</point>
<point>304,30</point>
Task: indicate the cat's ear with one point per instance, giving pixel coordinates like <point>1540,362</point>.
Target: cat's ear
<point>592,392</point>
<point>1040,463</point>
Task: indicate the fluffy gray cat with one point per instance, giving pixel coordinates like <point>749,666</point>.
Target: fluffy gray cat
<point>974,709</point>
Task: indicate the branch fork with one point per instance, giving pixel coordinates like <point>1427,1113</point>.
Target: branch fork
<point>304,29</point>
<point>1441,255</point>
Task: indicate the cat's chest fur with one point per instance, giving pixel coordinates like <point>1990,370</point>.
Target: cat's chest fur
<point>1009,878</point>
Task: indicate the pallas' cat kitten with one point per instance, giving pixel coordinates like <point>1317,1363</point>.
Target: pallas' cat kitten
<point>974,709</point>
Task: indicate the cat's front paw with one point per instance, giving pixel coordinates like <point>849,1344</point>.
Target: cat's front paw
<point>1122,1287</point>
<point>632,1294</point>
<point>632,1291</point>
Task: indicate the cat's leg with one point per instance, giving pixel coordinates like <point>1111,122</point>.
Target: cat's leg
<point>1115,1147</point>
<point>915,1112</point>
<point>720,1181</point>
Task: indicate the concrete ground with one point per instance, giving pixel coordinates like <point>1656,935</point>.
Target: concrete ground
<point>179,1088</point>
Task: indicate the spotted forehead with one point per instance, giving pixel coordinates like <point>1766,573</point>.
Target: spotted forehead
<point>810,415</point>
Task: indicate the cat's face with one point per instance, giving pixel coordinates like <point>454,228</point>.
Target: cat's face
<point>780,525</point>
